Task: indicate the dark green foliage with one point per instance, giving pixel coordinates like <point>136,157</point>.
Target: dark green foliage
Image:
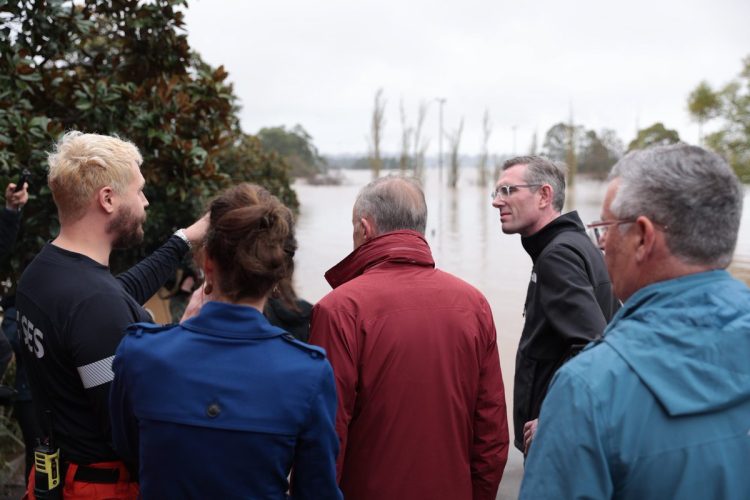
<point>268,170</point>
<point>595,153</point>
<point>121,67</point>
<point>655,135</point>
<point>703,103</point>
<point>556,140</point>
<point>295,146</point>
<point>730,106</point>
<point>599,152</point>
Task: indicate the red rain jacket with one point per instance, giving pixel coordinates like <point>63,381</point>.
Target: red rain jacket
<point>421,406</point>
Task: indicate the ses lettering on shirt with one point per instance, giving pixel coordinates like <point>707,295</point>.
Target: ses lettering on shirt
<point>32,337</point>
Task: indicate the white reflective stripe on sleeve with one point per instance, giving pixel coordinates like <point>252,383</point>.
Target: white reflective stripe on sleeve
<point>96,373</point>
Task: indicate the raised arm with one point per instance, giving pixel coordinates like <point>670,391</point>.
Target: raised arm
<point>144,279</point>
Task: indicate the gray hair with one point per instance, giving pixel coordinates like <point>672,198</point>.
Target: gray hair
<point>692,192</point>
<point>541,170</point>
<point>393,203</point>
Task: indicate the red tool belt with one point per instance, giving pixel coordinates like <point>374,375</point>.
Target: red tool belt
<point>109,480</point>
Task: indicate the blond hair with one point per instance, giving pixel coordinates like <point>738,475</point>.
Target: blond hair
<point>81,164</point>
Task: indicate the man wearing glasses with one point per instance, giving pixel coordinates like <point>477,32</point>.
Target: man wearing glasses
<point>658,408</point>
<point>569,299</point>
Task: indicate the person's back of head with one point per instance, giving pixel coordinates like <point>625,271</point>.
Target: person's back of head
<point>540,171</point>
<point>393,203</point>
<point>690,192</point>
<point>81,164</point>
<point>248,240</point>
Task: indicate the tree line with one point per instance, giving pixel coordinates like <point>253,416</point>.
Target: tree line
<point>585,151</point>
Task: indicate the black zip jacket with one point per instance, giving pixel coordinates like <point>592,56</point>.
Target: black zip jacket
<point>568,304</point>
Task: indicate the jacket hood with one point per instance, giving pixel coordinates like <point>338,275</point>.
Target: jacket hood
<point>537,242</point>
<point>688,341</point>
<point>407,247</point>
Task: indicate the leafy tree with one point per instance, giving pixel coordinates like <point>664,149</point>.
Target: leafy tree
<point>703,105</point>
<point>266,170</point>
<point>119,67</point>
<point>594,153</point>
<point>598,152</point>
<point>296,147</point>
<point>731,106</point>
<point>655,135</point>
<point>556,143</point>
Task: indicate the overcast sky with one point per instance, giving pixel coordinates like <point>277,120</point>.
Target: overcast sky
<point>614,64</point>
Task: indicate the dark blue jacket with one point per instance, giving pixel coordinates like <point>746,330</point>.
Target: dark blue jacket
<point>224,406</point>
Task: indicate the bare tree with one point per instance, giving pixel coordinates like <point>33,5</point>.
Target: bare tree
<point>533,145</point>
<point>377,125</point>
<point>498,169</point>
<point>420,143</point>
<point>570,154</point>
<point>454,141</point>
<point>485,154</point>
<point>406,133</point>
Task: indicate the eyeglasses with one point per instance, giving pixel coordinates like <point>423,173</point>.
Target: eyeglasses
<point>597,230</point>
<point>505,191</point>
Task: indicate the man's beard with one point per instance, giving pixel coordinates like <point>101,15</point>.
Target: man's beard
<point>127,227</point>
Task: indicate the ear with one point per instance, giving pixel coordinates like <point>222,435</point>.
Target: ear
<point>105,199</point>
<point>209,268</point>
<point>546,196</point>
<point>368,228</point>
<point>646,232</point>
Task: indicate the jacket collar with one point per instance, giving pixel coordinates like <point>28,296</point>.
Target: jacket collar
<point>666,291</point>
<point>232,320</point>
<point>536,243</point>
<point>404,247</point>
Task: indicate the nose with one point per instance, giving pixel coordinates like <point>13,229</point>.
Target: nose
<point>498,202</point>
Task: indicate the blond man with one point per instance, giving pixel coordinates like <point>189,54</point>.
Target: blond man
<point>72,311</point>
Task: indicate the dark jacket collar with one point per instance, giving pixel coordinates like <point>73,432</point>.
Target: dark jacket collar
<point>232,320</point>
<point>536,243</point>
<point>406,247</point>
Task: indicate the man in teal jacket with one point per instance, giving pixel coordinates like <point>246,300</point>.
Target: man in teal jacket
<point>658,408</point>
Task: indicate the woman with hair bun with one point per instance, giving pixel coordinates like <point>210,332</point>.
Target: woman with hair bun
<point>225,405</point>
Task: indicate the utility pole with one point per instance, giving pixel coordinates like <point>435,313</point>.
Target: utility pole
<point>514,127</point>
<point>441,101</point>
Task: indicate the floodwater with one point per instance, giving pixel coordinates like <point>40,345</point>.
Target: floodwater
<point>463,230</point>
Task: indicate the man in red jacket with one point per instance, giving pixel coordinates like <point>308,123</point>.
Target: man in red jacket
<point>421,406</point>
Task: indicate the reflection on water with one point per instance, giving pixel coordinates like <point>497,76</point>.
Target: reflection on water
<point>464,233</point>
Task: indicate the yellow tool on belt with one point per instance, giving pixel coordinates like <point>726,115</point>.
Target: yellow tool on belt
<point>47,466</point>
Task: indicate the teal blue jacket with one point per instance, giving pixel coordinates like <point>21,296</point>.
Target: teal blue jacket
<point>659,407</point>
